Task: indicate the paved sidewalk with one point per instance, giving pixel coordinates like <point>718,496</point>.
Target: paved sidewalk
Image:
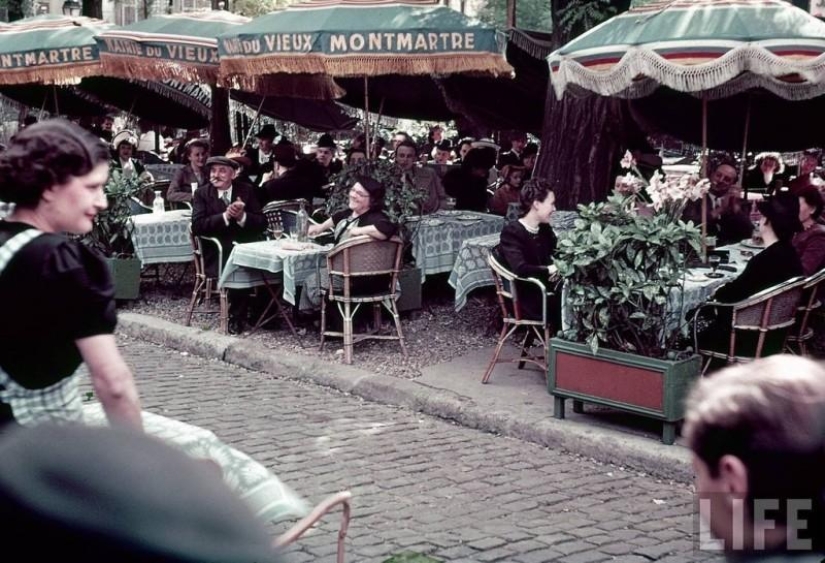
<point>515,403</point>
<point>419,483</point>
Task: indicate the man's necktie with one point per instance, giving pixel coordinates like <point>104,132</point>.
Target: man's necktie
<point>225,197</point>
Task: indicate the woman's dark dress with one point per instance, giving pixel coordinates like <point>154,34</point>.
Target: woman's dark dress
<point>52,292</point>
<point>778,263</point>
<point>528,256</point>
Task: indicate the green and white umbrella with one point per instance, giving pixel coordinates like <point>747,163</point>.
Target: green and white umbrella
<point>178,46</point>
<point>363,38</point>
<point>717,47</point>
<point>49,50</point>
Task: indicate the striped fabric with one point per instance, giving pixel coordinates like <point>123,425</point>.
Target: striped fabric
<point>697,45</point>
<point>58,403</point>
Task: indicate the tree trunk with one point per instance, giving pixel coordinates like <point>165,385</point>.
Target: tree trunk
<point>582,142</point>
<point>219,133</point>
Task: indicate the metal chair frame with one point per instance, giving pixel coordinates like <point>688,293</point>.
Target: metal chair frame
<point>342,262</point>
<point>763,312</point>
<point>206,287</point>
<point>506,291</point>
<point>302,526</point>
<point>811,301</point>
<point>283,212</point>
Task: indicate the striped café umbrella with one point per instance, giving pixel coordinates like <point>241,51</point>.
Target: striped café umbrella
<point>178,46</point>
<point>361,38</point>
<point>49,50</point>
<point>720,47</point>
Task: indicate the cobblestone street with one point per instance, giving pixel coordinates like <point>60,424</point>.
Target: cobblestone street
<point>419,483</point>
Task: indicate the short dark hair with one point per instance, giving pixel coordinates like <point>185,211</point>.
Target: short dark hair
<point>535,189</point>
<point>352,150</point>
<point>407,143</point>
<point>812,197</point>
<point>202,143</point>
<point>782,213</point>
<point>44,155</point>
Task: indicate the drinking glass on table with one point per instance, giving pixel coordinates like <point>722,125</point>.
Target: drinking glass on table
<point>713,262</point>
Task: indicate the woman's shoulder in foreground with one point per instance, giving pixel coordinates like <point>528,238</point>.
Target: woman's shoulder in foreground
<point>55,253</point>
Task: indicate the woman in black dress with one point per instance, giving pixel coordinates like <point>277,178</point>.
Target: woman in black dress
<point>56,295</point>
<point>527,248</point>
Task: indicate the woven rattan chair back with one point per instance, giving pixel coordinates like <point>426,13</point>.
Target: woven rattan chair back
<point>356,258</point>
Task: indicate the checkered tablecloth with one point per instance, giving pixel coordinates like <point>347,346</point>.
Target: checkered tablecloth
<point>257,263</point>
<point>163,238</point>
<point>437,238</point>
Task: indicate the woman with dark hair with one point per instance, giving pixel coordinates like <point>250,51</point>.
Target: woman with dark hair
<point>468,183</point>
<point>509,191</point>
<point>527,246</point>
<point>810,243</point>
<point>56,295</point>
<point>364,216</point>
<point>194,173</point>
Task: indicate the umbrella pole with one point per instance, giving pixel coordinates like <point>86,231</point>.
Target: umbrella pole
<point>254,121</point>
<point>56,105</point>
<point>380,113</point>
<point>744,160</point>
<point>704,174</point>
<point>367,114</point>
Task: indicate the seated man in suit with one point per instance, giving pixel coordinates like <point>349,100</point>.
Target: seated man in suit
<point>231,213</point>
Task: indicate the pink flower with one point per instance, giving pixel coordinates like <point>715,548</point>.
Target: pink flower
<point>628,161</point>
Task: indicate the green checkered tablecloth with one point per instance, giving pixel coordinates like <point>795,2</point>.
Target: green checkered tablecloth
<point>471,271</point>
<point>437,238</point>
<point>163,237</point>
<point>256,263</point>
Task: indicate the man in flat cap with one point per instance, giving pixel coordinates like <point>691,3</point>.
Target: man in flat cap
<point>230,212</point>
<point>261,157</point>
<point>292,179</point>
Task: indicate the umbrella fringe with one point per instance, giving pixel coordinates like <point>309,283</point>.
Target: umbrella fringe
<point>483,64</point>
<point>153,69</point>
<point>640,62</point>
<point>60,75</point>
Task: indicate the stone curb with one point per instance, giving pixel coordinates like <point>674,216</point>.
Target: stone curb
<point>601,444</point>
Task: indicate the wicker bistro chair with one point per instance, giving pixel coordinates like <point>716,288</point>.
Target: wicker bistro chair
<point>508,300</point>
<point>770,311</point>
<point>356,258</point>
<point>206,287</point>
<point>813,288</point>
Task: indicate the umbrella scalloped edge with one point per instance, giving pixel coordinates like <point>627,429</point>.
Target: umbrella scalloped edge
<point>140,68</point>
<point>645,63</point>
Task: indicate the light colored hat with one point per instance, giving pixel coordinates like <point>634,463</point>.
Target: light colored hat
<point>485,143</point>
<point>124,136</point>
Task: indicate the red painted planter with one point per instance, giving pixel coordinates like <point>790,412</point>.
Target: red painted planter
<point>636,384</point>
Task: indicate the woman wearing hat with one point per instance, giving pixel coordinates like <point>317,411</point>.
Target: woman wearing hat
<point>125,143</point>
<point>193,173</point>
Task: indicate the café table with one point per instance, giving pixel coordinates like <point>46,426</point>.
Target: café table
<point>697,286</point>
<point>470,270</point>
<point>280,261</point>
<point>163,238</point>
<point>437,238</point>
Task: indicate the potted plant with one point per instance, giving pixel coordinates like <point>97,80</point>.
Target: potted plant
<point>401,203</point>
<point>624,265</point>
<point>111,234</point>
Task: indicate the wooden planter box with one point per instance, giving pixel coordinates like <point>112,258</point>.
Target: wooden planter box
<point>636,384</point>
<point>410,281</point>
<point>126,277</point>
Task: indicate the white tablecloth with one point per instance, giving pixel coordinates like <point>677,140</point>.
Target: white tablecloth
<point>255,263</point>
<point>163,238</point>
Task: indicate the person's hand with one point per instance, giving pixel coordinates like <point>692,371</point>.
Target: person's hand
<point>553,271</point>
<point>236,209</point>
<point>313,230</point>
